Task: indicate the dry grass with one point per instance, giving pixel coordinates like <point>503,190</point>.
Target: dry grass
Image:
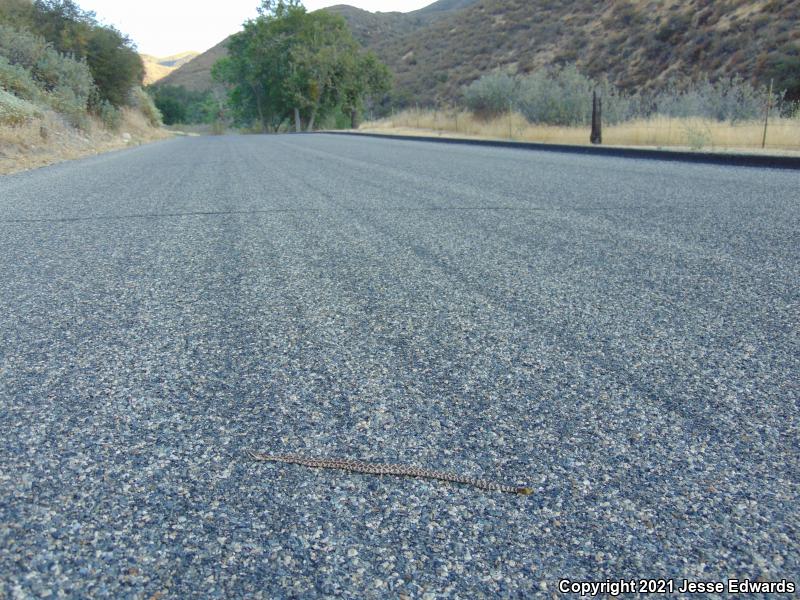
<point>659,132</point>
<point>48,140</point>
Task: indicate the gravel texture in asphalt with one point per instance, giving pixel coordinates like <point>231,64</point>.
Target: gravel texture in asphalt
<point>620,335</point>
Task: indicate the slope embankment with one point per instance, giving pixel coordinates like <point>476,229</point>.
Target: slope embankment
<point>47,139</point>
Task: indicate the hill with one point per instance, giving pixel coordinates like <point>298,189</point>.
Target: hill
<point>195,75</point>
<point>156,68</point>
<point>436,50</point>
<point>371,29</point>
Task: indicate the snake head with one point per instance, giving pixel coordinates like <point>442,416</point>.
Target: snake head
<point>524,491</point>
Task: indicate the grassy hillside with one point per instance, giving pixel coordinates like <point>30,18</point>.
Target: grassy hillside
<point>435,51</point>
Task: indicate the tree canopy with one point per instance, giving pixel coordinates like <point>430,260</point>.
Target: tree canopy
<point>110,55</point>
<point>292,65</point>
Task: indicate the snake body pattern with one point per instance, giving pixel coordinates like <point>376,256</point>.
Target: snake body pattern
<point>370,468</point>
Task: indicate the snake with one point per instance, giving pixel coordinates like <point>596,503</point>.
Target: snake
<point>372,468</point>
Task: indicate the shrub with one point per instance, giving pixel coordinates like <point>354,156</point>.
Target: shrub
<point>698,134</point>
<point>564,97</point>
<point>726,100</point>
<point>17,80</point>
<point>109,114</point>
<point>15,111</point>
<point>785,69</point>
<point>70,106</point>
<point>32,69</point>
<point>68,30</point>
<point>556,97</point>
<point>549,96</point>
<point>492,94</point>
<point>142,101</point>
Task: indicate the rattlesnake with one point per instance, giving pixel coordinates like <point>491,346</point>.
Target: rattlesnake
<point>389,469</point>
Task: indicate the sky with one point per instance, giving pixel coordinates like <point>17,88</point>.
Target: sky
<point>166,27</point>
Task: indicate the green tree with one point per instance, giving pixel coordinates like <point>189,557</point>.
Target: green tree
<point>784,67</point>
<point>289,64</point>
<point>115,65</point>
<point>368,78</point>
<point>65,25</point>
<point>17,13</point>
<point>179,105</point>
<point>110,55</point>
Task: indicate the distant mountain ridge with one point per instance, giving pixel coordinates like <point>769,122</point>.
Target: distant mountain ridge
<point>157,68</point>
<point>368,28</point>
<point>438,49</point>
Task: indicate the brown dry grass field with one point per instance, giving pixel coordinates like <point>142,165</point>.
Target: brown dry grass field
<point>783,135</point>
<point>47,140</point>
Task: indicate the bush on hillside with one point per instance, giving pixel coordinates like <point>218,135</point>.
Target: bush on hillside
<point>18,81</point>
<point>727,100</point>
<point>109,114</point>
<point>550,96</point>
<point>784,68</point>
<point>15,111</point>
<point>31,68</point>
<point>564,97</point>
<point>142,101</point>
<point>110,56</point>
<point>492,95</point>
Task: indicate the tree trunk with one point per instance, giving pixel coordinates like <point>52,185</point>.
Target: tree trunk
<point>353,119</point>
<point>298,124</point>
<point>311,120</point>
<point>264,126</point>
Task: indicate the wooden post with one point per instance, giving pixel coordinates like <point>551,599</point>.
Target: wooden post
<point>510,114</point>
<point>766,116</point>
<point>596,137</point>
<point>600,120</point>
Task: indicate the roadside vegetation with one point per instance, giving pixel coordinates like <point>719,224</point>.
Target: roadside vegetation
<point>636,45</point>
<point>68,85</point>
<point>178,105</point>
<point>555,105</point>
<point>289,68</point>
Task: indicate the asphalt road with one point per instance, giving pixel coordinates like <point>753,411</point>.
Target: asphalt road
<point>622,335</point>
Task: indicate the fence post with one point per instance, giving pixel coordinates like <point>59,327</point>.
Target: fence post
<point>510,115</point>
<point>766,116</point>
<point>596,137</point>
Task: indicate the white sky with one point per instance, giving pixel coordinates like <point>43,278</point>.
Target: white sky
<point>166,27</point>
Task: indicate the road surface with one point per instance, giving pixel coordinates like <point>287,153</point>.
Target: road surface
<point>621,335</point>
